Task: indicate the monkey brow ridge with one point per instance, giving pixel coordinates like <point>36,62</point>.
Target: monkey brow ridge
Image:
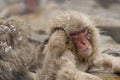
<point>79,32</point>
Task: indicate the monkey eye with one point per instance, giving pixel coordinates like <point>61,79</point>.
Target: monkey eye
<point>84,30</point>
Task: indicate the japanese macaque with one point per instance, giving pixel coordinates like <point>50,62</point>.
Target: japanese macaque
<point>15,53</point>
<point>18,57</point>
<point>73,47</point>
<point>15,39</point>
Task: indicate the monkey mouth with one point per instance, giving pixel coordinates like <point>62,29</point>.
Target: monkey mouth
<point>84,52</point>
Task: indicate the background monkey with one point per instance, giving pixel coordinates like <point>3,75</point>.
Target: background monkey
<point>73,47</point>
<point>14,58</point>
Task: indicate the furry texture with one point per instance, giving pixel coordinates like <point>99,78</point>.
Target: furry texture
<point>62,61</point>
<point>14,36</point>
<point>16,54</point>
<point>11,70</point>
<point>71,21</point>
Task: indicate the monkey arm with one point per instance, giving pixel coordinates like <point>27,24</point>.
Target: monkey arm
<point>108,61</point>
<point>71,73</point>
<point>54,49</point>
<point>58,42</point>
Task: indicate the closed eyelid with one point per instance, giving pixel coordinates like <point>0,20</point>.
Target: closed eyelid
<point>75,33</point>
<point>85,29</point>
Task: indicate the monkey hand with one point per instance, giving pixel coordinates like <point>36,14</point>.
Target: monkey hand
<point>116,65</point>
<point>58,42</point>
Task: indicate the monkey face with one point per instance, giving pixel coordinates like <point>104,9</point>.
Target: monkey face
<point>81,40</point>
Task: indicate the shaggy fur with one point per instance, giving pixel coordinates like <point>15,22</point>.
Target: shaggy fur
<point>62,62</point>
<point>16,53</point>
<point>11,70</point>
<point>14,36</point>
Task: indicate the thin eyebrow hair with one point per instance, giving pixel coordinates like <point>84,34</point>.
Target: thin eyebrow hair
<point>79,32</point>
<point>75,33</point>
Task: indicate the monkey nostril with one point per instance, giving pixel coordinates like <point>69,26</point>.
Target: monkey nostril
<point>84,44</point>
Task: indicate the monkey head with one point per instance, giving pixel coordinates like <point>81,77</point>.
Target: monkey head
<point>80,29</point>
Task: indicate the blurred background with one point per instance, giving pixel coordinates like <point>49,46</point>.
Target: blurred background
<point>105,14</point>
<point>105,8</point>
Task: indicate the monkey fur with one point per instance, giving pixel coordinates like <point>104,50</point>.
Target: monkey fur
<point>16,54</point>
<point>62,62</point>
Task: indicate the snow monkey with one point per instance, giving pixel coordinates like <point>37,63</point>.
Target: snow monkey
<point>16,53</point>
<point>72,48</point>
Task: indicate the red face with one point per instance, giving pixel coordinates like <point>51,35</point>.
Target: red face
<point>82,43</point>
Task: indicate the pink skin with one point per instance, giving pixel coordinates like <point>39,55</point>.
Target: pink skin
<point>82,43</point>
